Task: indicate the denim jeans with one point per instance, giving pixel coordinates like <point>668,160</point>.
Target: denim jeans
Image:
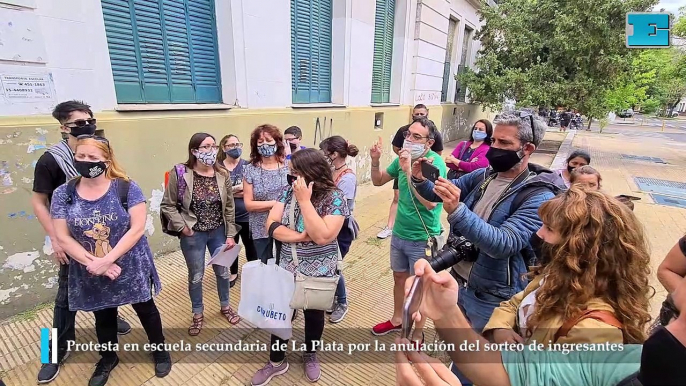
<point>404,253</point>
<point>193,249</point>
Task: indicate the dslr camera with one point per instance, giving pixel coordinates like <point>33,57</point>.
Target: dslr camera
<point>456,249</point>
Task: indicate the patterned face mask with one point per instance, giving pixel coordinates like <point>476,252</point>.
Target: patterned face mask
<point>89,169</point>
<point>266,149</point>
<point>208,158</point>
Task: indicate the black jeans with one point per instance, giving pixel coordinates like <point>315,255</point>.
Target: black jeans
<point>314,328</point>
<point>63,319</point>
<point>106,325</point>
<point>250,252</point>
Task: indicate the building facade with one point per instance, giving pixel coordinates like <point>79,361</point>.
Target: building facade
<point>156,71</point>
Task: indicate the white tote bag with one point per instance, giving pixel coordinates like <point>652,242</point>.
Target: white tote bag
<point>266,292</point>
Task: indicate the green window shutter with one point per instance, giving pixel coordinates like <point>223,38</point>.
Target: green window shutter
<point>165,52</point>
<point>124,51</point>
<point>311,50</point>
<point>205,60</point>
<point>383,51</point>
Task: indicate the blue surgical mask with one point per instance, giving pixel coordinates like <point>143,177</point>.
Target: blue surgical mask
<point>479,135</point>
<point>266,149</point>
<point>416,149</point>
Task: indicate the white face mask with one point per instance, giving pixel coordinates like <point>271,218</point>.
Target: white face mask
<point>416,149</point>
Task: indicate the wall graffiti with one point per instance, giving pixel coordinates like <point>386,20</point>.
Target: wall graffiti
<point>321,130</point>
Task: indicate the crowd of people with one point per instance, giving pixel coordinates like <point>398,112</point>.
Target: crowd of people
<point>535,255</point>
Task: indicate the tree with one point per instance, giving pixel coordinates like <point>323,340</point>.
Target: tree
<point>679,26</point>
<point>552,53</point>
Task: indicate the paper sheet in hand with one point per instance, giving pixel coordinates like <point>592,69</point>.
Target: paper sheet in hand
<point>225,258</point>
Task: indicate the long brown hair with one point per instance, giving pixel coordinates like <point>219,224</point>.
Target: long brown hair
<point>272,131</point>
<point>311,164</point>
<point>114,169</point>
<point>221,156</point>
<point>603,254</point>
<point>194,143</point>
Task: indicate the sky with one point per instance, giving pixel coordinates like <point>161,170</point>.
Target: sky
<point>670,5</point>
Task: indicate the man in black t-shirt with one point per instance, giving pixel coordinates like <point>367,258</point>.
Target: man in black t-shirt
<point>53,169</point>
<point>419,111</point>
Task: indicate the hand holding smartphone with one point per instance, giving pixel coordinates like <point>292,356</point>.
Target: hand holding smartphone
<point>411,306</point>
<point>430,172</point>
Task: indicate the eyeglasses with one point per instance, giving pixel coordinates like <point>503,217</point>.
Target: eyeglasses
<point>208,147</point>
<point>414,137</point>
<point>233,145</point>
<point>524,114</point>
<point>81,122</point>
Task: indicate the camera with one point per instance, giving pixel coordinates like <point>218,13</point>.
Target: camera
<point>456,249</point>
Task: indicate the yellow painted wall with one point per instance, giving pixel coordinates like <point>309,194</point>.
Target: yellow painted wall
<point>148,144</point>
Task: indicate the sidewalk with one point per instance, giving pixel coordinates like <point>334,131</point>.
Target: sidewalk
<point>368,277</point>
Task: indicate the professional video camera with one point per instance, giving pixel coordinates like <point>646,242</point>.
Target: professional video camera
<point>456,249</point>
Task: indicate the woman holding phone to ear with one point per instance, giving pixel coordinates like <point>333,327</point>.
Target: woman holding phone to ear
<point>319,213</point>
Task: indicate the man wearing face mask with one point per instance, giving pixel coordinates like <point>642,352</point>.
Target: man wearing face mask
<point>417,220</point>
<point>53,169</point>
<point>496,208</point>
<point>419,111</point>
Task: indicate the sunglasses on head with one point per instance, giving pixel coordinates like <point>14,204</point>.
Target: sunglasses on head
<point>95,137</point>
<point>524,114</point>
<point>81,122</point>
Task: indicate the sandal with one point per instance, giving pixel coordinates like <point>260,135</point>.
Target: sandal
<point>196,325</point>
<point>231,316</point>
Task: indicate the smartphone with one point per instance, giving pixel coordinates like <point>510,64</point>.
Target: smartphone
<point>430,172</point>
<point>411,306</point>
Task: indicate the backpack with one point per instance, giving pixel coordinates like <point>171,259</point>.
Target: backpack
<point>606,317</point>
<point>122,191</point>
<point>181,186</point>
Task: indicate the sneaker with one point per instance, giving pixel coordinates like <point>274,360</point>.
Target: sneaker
<point>385,233</point>
<point>123,327</point>
<point>312,369</point>
<point>49,371</point>
<point>385,328</point>
<point>339,313</point>
<point>102,371</point>
<point>269,371</point>
<point>163,363</point>
<point>333,305</point>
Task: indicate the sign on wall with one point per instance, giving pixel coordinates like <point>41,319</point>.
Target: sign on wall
<point>27,88</point>
<point>21,39</point>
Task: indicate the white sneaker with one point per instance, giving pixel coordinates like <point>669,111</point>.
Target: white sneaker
<point>385,233</point>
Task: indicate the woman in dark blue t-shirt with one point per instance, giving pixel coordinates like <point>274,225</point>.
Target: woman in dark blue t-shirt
<point>230,158</point>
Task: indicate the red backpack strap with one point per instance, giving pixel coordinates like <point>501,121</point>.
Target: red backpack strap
<point>606,317</point>
<point>344,172</point>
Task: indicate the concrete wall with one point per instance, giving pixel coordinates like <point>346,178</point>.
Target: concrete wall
<point>254,52</point>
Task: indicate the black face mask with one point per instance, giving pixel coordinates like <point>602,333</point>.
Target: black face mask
<point>89,169</point>
<point>82,130</point>
<point>662,360</point>
<point>502,160</point>
<point>570,169</point>
<point>293,146</point>
<point>291,179</point>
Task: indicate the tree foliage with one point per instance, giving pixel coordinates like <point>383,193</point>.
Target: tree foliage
<point>550,52</point>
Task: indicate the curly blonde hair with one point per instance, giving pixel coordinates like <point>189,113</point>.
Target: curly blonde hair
<point>603,254</point>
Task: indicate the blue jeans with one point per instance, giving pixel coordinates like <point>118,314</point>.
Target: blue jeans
<point>193,249</point>
<point>478,308</point>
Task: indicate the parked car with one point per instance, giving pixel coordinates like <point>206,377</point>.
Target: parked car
<point>628,113</point>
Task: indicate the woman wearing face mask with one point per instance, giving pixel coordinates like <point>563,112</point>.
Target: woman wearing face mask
<point>471,155</point>
<point>319,213</point>
<point>586,235</point>
<point>230,158</point>
<point>205,217</point>
<point>99,220</point>
<point>577,159</point>
<point>589,178</point>
<point>264,179</point>
<point>337,151</point>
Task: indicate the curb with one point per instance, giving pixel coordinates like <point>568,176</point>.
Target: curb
<point>563,151</point>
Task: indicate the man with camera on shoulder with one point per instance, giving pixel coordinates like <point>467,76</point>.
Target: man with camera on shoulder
<point>493,213</point>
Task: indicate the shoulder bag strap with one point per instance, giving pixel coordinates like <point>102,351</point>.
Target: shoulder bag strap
<point>71,189</point>
<point>180,182</point>
<point>606,317</point>
<point>291,224</point>
<point>123,191</point>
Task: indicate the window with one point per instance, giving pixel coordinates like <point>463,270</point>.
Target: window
<point>460,91</point>
<point>311,50</point>
<point>383,51</point>
<point>452,25</point>
<point>163,51</point>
